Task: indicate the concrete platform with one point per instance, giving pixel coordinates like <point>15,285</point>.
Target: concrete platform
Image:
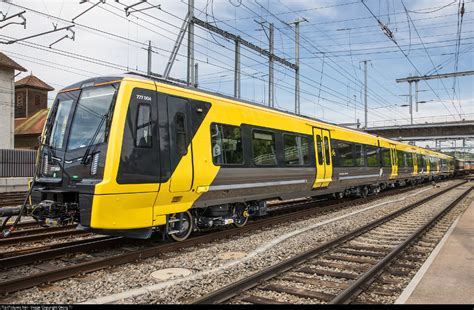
<point>447,277</point>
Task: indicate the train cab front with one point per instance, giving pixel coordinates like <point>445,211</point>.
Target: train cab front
<point>71,157</point>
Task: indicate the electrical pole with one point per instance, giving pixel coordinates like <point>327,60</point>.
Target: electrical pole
<point>355,109</point>
<point>365,93</point>
<point>416,95</point>
<point>297,72</point>
<point>149,59</point>
<point>297,63</point>
<point>190,73</point>
<point>196,68</point>
<point>271,89</point>
<point>411,103</point>
<point>237,70</point>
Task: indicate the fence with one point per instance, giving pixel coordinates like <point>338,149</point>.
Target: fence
<point>17,163</point>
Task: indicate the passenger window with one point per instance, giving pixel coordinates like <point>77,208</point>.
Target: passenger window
<point>409,158</point>
<point>401,159</point>
<point>387,162</point>
<point>143,133</point>
<point>180,122</point>
<point>359,155</point>
<point>320,149</point>
<point>296,150</point>
<point>263,144</point>
<point>226,145</point>
<point>326,151</point>
<point>420,161</point>
<point>345,154</point>
<point>372,156</point>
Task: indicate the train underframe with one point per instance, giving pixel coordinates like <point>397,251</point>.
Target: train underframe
<point>61,209</point>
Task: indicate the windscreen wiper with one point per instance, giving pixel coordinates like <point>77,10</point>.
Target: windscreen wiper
<point>91,142</point>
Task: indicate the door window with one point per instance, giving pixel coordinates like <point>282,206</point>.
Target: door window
<point>180,122</point>
<point>143,133</point>
<point>320,149</point>
<point>326,151</point>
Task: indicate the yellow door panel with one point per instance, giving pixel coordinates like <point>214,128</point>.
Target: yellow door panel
<point>323,156</point>
<point>318,150</point>
<point>394,158</point>
<point>415,164</point>
<point>182,178</point>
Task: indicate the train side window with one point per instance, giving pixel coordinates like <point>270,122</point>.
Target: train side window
<point>263,145</point>
<point>345,154</point>
<point>226,145</point>
<point>326,151</point>
<point>359,155</point>
<point>420,161</point>
<point>143,133</point>
<point>401,159</point>
<point>180,123</point>
<point>320,149</point>
<point>409,158</point>
<point>296,150</point>
<point>372,156</point>
<point>387,162</point>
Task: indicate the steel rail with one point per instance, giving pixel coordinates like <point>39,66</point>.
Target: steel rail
<point>42,230</point>
<point>43,236</point>
<point>252,281</point>
<point>58,250</point>
<point>137,255</point>
<point>368,277</point>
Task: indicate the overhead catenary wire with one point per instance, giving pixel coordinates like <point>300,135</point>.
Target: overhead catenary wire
<point>343,97</point>
<point>319,51</point>
<point>180,18</point>
<point>411,63</point>
<point>429,57</point>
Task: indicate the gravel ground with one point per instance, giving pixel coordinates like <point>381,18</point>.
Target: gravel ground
<point>204,258</point>
<point>425,245</point>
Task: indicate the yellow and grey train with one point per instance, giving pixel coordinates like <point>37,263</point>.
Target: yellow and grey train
<point>129,155</point>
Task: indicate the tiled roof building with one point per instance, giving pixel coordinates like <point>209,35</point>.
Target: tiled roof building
<point>31,110</point>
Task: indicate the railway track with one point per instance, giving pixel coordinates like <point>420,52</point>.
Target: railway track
<point>41,234</point>
<point>339,270</point>
<point>149,250</point>
<point>12,199</point>
<point>28,233</point>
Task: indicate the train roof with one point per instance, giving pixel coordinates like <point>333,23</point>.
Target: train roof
<point>180,84</point>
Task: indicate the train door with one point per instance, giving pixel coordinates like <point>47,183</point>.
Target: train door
<point>323,153</point>
<point>394,158</point>
<point>181,157</point>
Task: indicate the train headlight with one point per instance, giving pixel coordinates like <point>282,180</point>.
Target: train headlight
<point>45,164</point>
<point>95,164</point>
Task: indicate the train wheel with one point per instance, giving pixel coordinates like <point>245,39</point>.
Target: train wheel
<point>364,191</point>
<point>241,215</point>
<point>180,232</point>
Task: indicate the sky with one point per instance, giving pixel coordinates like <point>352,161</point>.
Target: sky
<point>335,38</point>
